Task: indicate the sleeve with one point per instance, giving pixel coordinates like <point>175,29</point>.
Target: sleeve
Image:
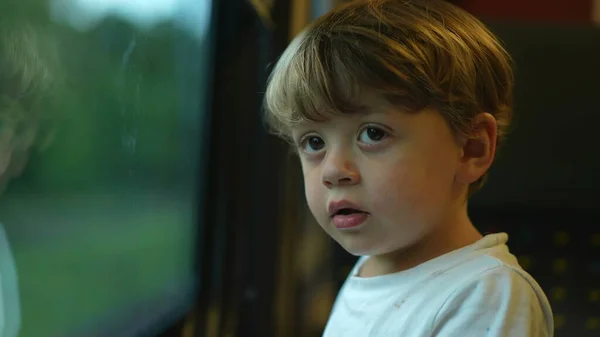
<point>497,303</point>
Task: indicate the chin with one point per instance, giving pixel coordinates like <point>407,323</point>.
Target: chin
<point>359,247</point>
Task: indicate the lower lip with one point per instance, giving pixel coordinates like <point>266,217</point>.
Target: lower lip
<point>350,220</point>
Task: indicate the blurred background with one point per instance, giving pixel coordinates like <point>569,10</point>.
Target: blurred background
<point>155,204</point>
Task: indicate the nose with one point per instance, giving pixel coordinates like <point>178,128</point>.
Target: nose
<point>339,170</point>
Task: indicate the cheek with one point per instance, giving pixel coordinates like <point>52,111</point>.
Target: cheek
<point>313,190</point>
<point>411,188</point>
<point>396,190</point>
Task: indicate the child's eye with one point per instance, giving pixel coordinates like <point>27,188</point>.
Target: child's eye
<point>372,135</point>
<point>312,144</point>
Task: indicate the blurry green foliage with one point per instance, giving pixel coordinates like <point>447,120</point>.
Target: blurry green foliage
<point>117,115</point>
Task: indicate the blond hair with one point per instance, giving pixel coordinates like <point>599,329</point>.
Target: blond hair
<point>414,53</point>
<point>28,71</point>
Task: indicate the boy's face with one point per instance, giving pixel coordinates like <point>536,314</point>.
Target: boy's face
<point>398,168</point>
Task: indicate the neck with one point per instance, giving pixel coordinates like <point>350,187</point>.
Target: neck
<point>457,232</point>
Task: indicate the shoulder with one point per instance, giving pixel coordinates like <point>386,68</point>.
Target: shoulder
<point>497,298</point>
<point>494,284</point>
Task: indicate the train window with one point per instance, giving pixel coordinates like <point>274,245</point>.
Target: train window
<point>102,118</point>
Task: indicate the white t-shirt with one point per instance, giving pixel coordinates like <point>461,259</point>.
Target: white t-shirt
<point>478,290</point>
<point>10,306</point>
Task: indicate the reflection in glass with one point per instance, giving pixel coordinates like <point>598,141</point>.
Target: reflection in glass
<point>99,210</point>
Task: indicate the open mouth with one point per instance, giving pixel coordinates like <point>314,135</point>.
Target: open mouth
<point>348,218</point>
<point>347,211</point>
<point>344,208</point>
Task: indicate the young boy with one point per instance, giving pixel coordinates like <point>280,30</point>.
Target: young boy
<point>26,75</point>
<point>396,109</point>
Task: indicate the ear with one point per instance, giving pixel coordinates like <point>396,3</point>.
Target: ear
<point>478,149</point>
